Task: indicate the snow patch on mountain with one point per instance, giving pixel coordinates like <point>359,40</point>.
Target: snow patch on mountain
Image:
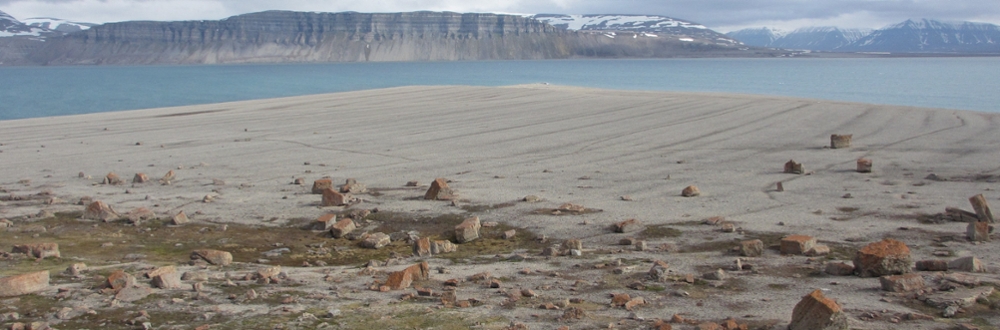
<point>615,22</point>
<point>56,24</point>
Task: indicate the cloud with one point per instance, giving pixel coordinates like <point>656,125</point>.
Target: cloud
<point>718,14</point>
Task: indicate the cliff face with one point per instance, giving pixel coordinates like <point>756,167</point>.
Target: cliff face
<point>283,36</point>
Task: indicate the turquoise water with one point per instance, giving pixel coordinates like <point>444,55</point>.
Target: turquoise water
<point>955,83</point>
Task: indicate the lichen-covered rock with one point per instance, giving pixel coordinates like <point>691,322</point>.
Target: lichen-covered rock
<point>215,257</point>
<point>886,257</point>
<point>817,312</point>
<point>468,230</point>
<point>376,241</point>
<point>342,227</point>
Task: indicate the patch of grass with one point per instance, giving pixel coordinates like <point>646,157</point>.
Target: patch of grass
<point>479,208</point>
<point>778,286</point>
<point>848,209</point>
<point>659,231</point>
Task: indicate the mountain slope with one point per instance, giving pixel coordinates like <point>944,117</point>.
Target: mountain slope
<point>757,37</point>
<point>809,38</point>
<point>929,36</point>
<point>284,36</point>
<point>58,25</point>
<point>643,25</point>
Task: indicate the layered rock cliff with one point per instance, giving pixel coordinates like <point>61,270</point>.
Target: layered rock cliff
<point>283,36</point>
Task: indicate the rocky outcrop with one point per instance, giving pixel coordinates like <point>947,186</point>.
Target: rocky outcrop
<point>285,36</point>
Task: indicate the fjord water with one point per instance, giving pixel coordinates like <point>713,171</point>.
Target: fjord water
<point>953,83</point>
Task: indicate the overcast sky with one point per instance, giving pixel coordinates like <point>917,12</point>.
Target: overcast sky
<point>721,15</point>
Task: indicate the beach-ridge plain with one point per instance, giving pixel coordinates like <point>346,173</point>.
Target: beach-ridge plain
<point>566,145</point>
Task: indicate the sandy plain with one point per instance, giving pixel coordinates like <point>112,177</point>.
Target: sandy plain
<point>566,145</point>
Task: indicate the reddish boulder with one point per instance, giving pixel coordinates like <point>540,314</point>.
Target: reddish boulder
<point>840,141</point>
<point>691,191</point>
<point>321,184</point>
<point>627,226</point>
<point>402,279</point>
<point>17,285</point>
<point>439,190</point>
<point>326,221</point>
<point>140,178</point>
<point>797,244</point>
<point>333,198</point>
<point>864,165</point>
<point>886,257</point>
<point>817,312</point>
<point>98,210</point>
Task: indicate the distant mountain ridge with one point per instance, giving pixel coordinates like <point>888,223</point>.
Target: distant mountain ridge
<point>911,36</point>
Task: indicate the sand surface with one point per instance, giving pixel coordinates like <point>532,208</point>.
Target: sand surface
<point>566,145</point>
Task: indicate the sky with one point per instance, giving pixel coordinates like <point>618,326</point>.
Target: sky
<point>720,15</point>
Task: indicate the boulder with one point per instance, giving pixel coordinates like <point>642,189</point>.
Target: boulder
<point>840,141</point>
<point>886,257</point>
<point>902,283</point>
<point>140,214</point>
<point>352,186</point>
<point>443,246</point>
<point>376,241</point>
<point>321,184</point>
<point>864,165</point>
<point>439,190</point>
<point>752,248</point>
<point>797,244</point>
<point>818,250</point>
<point>982,208</point>
<point>967,264</point>
<point>16,285</point>
<point>817,312</point>
<point>167,178</point>
<point>326,221</point>
<point>978,231</point>
<point>113,179</point>
<point>342,227</point>
<point>402,279</point>
<point>167,280</point>
<point>628,226</point>
<point>333,198</point>
<point>179,219</point>
<point>98,210</point>
<point>659,271</point>
<point>571,208</point>
<point>468,230</point>
<point>422,247</point>
<point>215,257</point>
<point>140,178</point>
<point>791,167</point>
<point>119,279</point>
<point>691,191</point>
<point>38,250</point>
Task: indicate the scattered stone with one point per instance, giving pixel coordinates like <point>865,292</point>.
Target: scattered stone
<point>978,231</point>
<point>509,234</point>
<point>422,247</point>
<point>38,250</point>
<point>112,179</point>
<point>864,165</point>
<point>791,167</point>
<point>342,227</point>
<point>140,214</point>
<point>76,269</point>
<point>140,178</point>
<point>691,191</point>
<point>468,230</point>
<point>634,302</point>
<point>620,299</point>
<point>659,271</point>
<point>627,198</point>
<point>817,312</point>
<point>412,183</point>
<point>167,178</point>
<point>932,265</point>
<point>119,279</point>
<point>967,264</point>
<point>717,275</point>
<point>12,286</point>
<point>982,208</point>
<point>439,190</point>
<point>326,221</point>
<point>840,141</point>
<point>839,269</point>
<point>98,210</point>
<point>333,198</point>
<point>571,208</point>
<point>752,248</point>
<point>133,293</point>
<point>376,241</point>
<point>886,257</point>
<point>627,226</point>
<point>797,244</point>
<point>959,297</point>
<point>352,186</point>
<point>179,219</point>
<point>215,257</point>
<point>321,184</point>
<point>818,250</point>
<point>640,246</point>
<point>963,279</point>
<point>443,246</point>
<point>166,278</point>
<point>902,283</point>
<point>402,279</point>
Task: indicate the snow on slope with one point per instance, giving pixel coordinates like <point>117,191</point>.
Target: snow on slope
<point>56,24</point>
<point>615,22</point>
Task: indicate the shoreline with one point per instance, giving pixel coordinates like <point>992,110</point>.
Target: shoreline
<point>591,147</point>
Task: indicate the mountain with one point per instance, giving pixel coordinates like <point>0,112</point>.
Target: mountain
<point>57,25</point>
<point>929,36</point>
<point>810,38</point>
<point>10,27</point>
<point>286,36</point>
<point>644,25</point>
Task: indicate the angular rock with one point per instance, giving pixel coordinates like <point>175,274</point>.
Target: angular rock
<point>16,285</point>
<point>439,190</point>
<point>342,227</point>
<point>817,312</point>
<point>902,283</point>
<point>691,191</point>
<point>628,226</point>
<point>376,241</point>
<point>967,264</point>
<point>353,187</point>
<point>321,184</point>
<point>333,198</point>
<point>797,244</point>
<point>864,165</point>
<point>76,269</point>
<point>886,257</point>
<point>268,272</point>
<point>402,279</point>
<point>572,244</point>
<point>169,280</point>
<point>98,210</point>
<point>634,302</point>
<point>620,299</point>
<point>839,269</point>
<point>978,231</point>
<point>658,272</point>
<point>932,265</point>
<point>443,246</point>
<point>960,297</point>
<point>571,208</point>
<point>140,178</point>
<point>840,141</point>
<point>215,257</point>
<point>326,221</point>
<point>422,247</point>
<point>963,279</point>
<point>818,250</point>
<point>791,167</point>
<point>717,275</point>
<point>179,219</point>
<point>167,178</point>
<point>38,250</point>
<point>119,279</point>
<point>160,271</point>
<point>133,293</point>
<point>468,230</point>
<point>509,234</point>
<point>113,179</point>
<point>752,248</point>
<point>140,214</point>
<point>982,208</point>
